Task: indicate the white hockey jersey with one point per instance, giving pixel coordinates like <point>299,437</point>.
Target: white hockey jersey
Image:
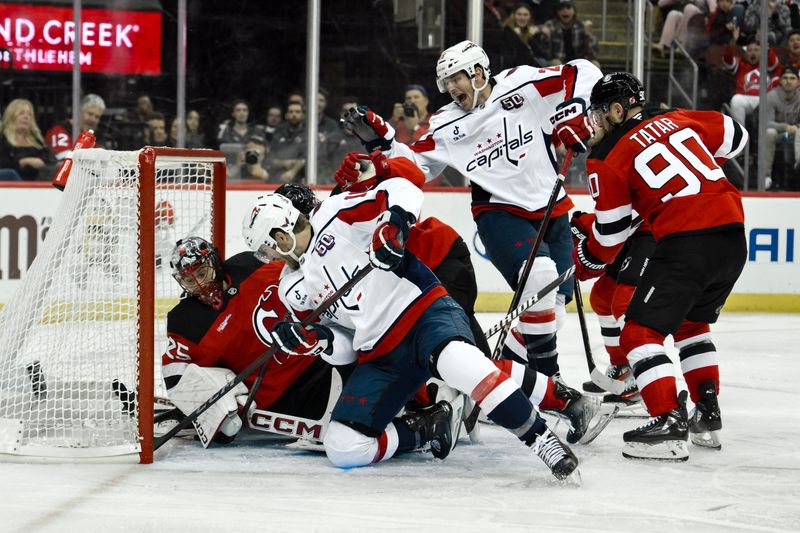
<point>384,306</point>
<point>504,146</point>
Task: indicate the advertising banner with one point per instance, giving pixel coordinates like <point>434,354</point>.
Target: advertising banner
<point>38,37</point>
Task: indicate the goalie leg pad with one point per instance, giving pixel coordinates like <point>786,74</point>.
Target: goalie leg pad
<point>198,384</point>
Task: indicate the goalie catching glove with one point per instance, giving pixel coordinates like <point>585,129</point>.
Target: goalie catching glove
<point>389,239</point>
<point>294,339</point>
<point>355,163</point>
<point>374,132</point>
<point>219,422</point>
<point>571,124</point>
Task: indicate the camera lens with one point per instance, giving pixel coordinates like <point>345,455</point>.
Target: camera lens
<point>409,109</point>
<point>251,157</point>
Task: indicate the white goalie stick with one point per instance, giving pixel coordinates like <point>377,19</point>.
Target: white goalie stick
<point>256,364</point>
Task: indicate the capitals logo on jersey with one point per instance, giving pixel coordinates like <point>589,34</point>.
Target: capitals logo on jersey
<point>504,145</point>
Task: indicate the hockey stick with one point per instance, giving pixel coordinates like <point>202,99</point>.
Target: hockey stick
<point>472,419</point>
<point>521,308</point>
<point>613,386</point>
<point>534,250</point>
<point>255,365</point>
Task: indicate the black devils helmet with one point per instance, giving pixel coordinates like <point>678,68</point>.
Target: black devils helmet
<point>197,268</point>
<point>301,196</point>
<point>618,87</point>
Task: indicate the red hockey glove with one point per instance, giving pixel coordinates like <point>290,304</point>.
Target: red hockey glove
<point>581,226</point>
<point>389,239</point>
<point>293,339</point>
<point>586,265</point>
<point>374,132</point>
<point>355,163</point>
<point>571,124</point>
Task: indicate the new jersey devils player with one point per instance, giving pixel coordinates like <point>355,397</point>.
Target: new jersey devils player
<point>664,164</point>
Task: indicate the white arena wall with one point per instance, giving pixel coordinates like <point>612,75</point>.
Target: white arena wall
<point>770,282</point>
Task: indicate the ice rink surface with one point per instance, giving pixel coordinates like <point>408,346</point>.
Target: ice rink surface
<point>753,484</point>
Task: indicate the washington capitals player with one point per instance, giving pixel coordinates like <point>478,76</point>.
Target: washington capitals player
<point>405,327</point>
<point>665,166</point>
<point>497,132</point>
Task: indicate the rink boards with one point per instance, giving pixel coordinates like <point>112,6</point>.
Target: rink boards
<point>770,281</point>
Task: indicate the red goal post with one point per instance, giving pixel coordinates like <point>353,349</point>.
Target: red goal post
<point>81,339</point>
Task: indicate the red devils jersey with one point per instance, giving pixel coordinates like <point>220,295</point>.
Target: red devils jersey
<point>747,74</point>
<point>236,335</point>
<point>665,166</point>
<point>430,240</point>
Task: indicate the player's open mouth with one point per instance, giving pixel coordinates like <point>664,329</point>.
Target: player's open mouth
<point>460,98</point>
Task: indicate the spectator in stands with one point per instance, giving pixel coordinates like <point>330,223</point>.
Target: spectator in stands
<point>570,37</point>
<point>195,138</point>
<point>339,144</point>
<point>144,108</point>
<point>778,24</point>
<point>792,52</point>
<point>676,24</point>
<point>783,114</point>
<point>156,131</point>
<point>251,161</point>
<point>296,96</point>
<point>721,24</point>
<point>59,137</point>
<point>744,68</point>
<point>274,119</point>
<point>326,125</point>
<point>411,118</point>
<point>237,129</point>
<point>523,42</point>
<point>22,149</point>
<point>286,159</point>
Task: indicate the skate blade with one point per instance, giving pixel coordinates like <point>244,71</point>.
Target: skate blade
<point>630,410</point>
<point>574,479</point>
<point>707,439</point>
<point>306,445</point>
<point>670,450</point>
<point>604,416</point>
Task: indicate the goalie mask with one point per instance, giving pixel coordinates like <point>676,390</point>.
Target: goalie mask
<point>197,268</point>
<point>301,196</point>
<point>465,56</point>
<point>270,212</point>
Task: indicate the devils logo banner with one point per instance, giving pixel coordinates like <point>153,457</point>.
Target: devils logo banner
<point>42,37</point>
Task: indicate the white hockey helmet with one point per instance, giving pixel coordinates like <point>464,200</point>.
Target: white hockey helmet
<point>462,56</point>
<point>269,212</point>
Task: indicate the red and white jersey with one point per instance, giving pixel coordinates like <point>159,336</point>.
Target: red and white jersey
<point>504,147</point>
<point>384,306</point>
<point>236,335</point>
<point>59,139</point>
<point>748,75</point>
<point>664,165</point>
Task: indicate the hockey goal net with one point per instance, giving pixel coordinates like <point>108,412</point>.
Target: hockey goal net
<point>80,338</point>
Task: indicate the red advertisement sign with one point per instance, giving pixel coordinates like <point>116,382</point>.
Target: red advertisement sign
<point>119,42</point>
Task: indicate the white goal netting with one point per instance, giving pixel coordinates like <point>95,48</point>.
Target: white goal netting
<point>70,338</point>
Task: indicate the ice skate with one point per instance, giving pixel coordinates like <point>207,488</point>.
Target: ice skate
<point>663,437</point>
<point>706,419</point>
<point>556,455</point>
<point>586,417</point>
<point>435,426</point>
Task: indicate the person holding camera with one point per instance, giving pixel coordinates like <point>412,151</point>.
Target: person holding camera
<point>252,158</point>
<point>410,119</point>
